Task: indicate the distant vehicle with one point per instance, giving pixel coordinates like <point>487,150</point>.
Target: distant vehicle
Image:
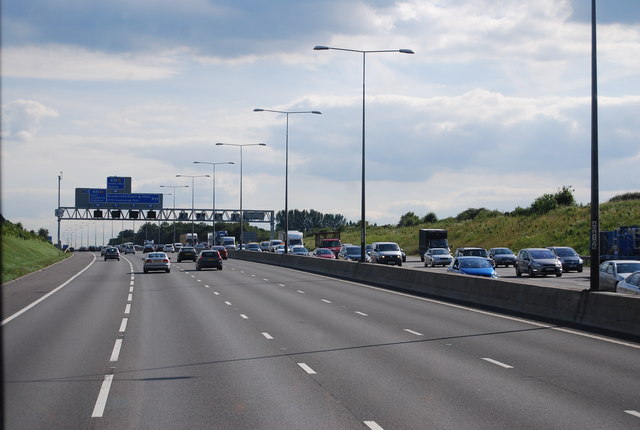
<point>299,250</point>
<point>273,244</point>
<point>228,242</point>
<point>158,247</point>
<point>168,248</point>
<point>111,253</point>
<point>330,240</point>
<point>324,253</point>
<point>187,253</point>
<point>221,250</point>
<point>148,248</point>
<point>209,258</point>
<point>630,284</point>
<point>537,261</point>
<point>476,266</point>
<point>352,253</point>
<point>189,239</point>
<point>568,257</point>
<point>104,248</point>
<point>280,250</point>
<point>293,236</point>
<point>386,253</point>
<point>431,238</point>
<point>129,249</point>
<point>264,246</point>
<point>502,256</point>
<point>255,247</point>
<point>156,261</point>
<point>613,271</point>
<point>473,251</point>
<point>199,248</point>
<point>177,246</point>
<point>437,257</point>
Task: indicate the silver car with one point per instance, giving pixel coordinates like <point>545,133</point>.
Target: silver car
<point>502,256</point>
<point>156,261</point>
<point>630,285</point>
<point>437,257</point>
<point>614,271</point>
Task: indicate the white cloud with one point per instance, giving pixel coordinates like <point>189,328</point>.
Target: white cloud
<point>21,119</point>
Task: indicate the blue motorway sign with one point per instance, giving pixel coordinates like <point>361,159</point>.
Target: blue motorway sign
<point>102,198</point>
<point>119,184</point>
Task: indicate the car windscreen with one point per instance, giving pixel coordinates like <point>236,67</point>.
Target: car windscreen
<point>209,254</point>
<point>474,263</point>
<point>475,252</point>
<point>354,250</point>
<point>388,247</point>
<point>439,252</point>
<point>502,251</point>
<point>542,255</point>
<point>331,243</point>
<point>628,267</point>
<point>565,252</point>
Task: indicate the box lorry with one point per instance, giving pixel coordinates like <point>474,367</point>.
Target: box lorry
<point>295,238</point>
<point>431,238</point>
<point>329,239</point>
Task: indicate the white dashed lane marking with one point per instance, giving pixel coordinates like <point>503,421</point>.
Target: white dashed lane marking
<point>498,363</point>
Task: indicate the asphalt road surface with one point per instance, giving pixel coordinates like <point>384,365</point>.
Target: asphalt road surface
<point>261,347</point>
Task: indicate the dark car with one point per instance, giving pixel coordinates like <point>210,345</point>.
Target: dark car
<point>147,248</point>
<point>502,256</point>
<point>222,250</point>
<point>209,259</point>
<point>111,254</point>
<point>568,257</point>
<point>538,261</point>
<point>187,253</point>
<point>386,253</point>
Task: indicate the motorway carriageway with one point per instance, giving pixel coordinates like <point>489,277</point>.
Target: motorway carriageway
<point>261,347</point>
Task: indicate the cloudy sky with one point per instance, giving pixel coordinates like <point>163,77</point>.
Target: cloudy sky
<point>493,110</point>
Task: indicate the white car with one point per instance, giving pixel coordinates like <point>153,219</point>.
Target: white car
<point>156,261</point>
<point>168,248</point>
<point>437,257</point>
<point>630,285</point>
<point>614,271</point>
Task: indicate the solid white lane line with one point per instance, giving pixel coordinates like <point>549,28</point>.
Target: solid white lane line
<point>267,335</point>
<point>413,332</point>
<point>326,301</point>
<point>115,354</point>
<point>123,325</point>
<point>307,369</point>
<point>55,290</point>
<point>361,313</point>
<point>98,409</point>
<point>244,316</point>
<point>130,297</point>
<point>373,425</point>
<point>227,303</point>
<point>634,413</point>
<point>498,363</point>
<point>301,292</point>
<point>127,309</point>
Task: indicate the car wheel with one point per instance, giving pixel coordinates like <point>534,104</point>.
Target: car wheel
<point>580,270</point>
<point>558,275</point>
<point>400,264</point>
<point>105,259</point>
<point>179,260</point>
<point>220,268</point>
<point>530,272</point>
<point>168,270</point>
<point>518,272</point>
<point>433,263</point>
<point>145,271</point>
<point>198,268</point>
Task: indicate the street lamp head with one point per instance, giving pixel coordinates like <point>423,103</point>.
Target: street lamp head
<point>219,143</point>
<point>316,112</point>
<point>320,48</point>
<point>406,51</point>
<point>262,144</point>
<point>258,110</point>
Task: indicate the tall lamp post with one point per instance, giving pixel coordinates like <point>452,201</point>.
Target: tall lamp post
<point>363,233</point>
<point>174,205</point>
<point>594,278</point>
<point>241,145</point>
<point>58,211</point>
<point>193,215</point>
<point>286,170</point>
<point>213,197</point>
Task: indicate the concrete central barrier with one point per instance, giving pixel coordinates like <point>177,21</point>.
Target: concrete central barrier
<point>601,310</point>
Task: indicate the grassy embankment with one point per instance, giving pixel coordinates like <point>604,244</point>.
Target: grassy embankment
<point>24,252</point>
<point>567,226</point>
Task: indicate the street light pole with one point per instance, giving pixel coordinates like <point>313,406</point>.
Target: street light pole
<point>286,170</point>
<point>213,197</point>
<point>193,215</point>
<point>363,233</point>
<point>58,211</point>
<point>594,278</point>
<point>174,205</point>
<point>241,145</point>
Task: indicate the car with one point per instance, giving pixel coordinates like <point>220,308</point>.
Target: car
<point>473,251</point>
<point>437,257</point>
<point>158,247</point>
<point>104,248</point>
<point>255,247</point>
<point>156,261</point>
<point>222,250</point>
<point>537,261</point>
<point>280,249</point>
<point>352,253</point>
<point>209,258</point>
<point>472,265</point>
<point>613,271</point>
<point>177,246</point>
<point>129,249</point>
<point>273,244</point>
<point>299,250</point>
<point>386,253</point>
<point>568,257</point>
<point>264,246</point>
<point>630,284</point>
<point>324,253</point>
<point>502,256</point>
<point>168,248</point>
<point>199,248</point>
<point>147,248</point>
<point>111,253</point>
<point>187,253</point>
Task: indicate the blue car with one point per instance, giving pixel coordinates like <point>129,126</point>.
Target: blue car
<point>477,266</point>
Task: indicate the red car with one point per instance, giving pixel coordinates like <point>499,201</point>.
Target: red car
<point>222,250</point>
<point>324,253</point>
